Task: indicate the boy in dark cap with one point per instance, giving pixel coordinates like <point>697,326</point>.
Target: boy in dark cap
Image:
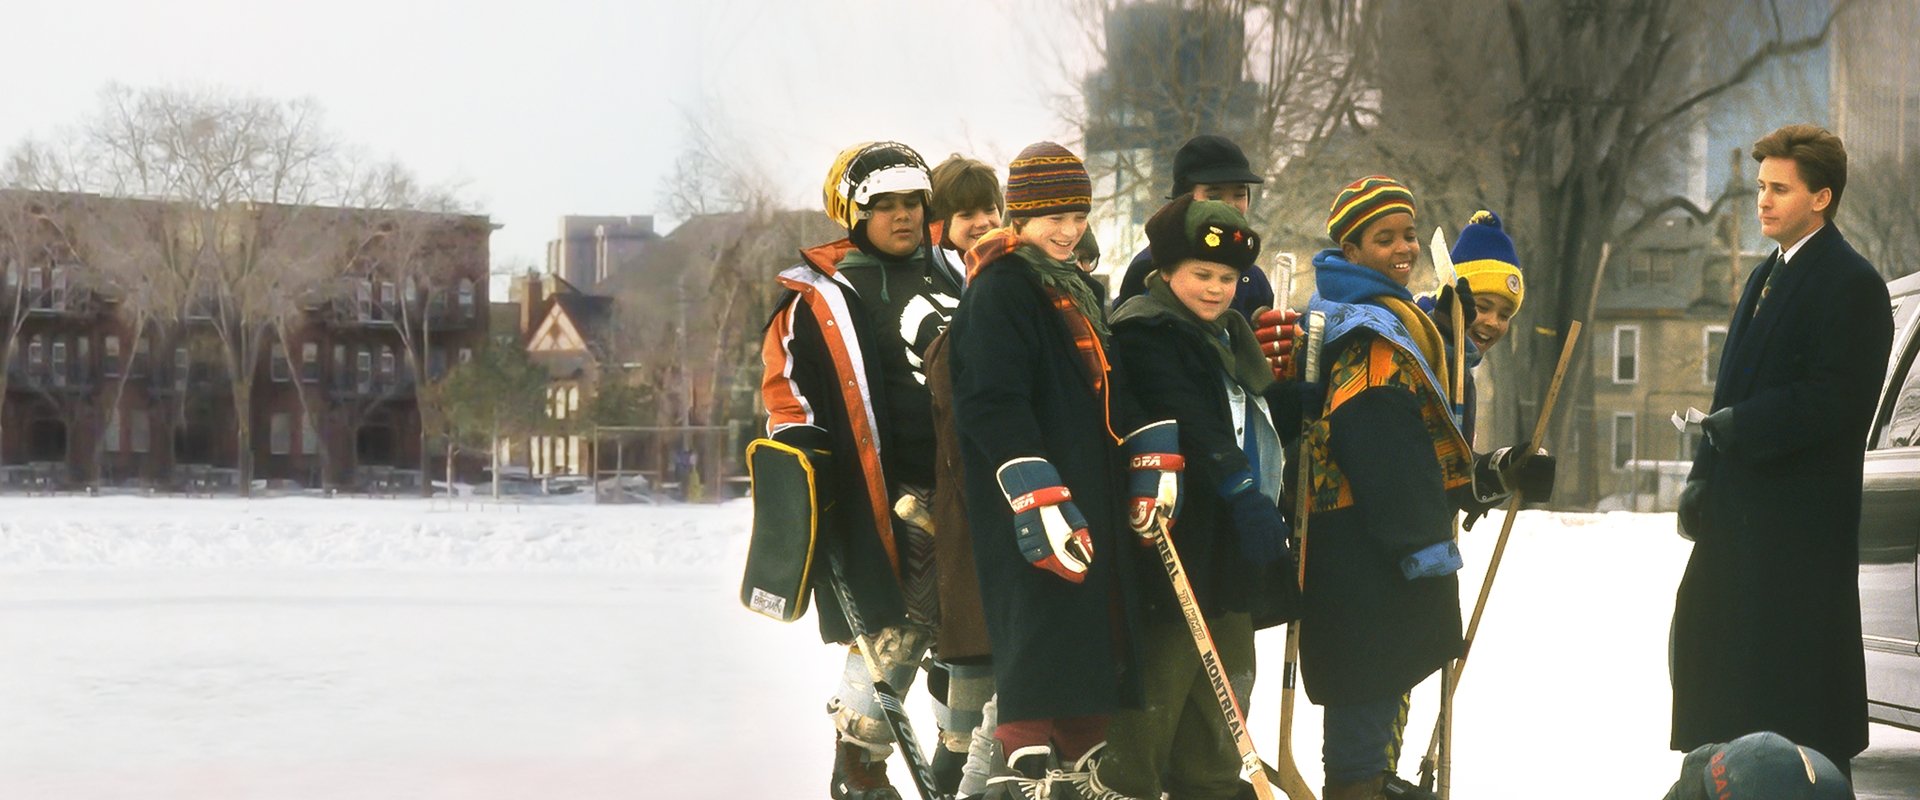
<point>1194,361</point>
<point>1209,167</point>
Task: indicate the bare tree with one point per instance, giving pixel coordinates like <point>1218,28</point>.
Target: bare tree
<point>1572,118</point>
<point>1282,78</point>
<point>427,281</point>
<point>240,175</point>
<point>1883,213</point>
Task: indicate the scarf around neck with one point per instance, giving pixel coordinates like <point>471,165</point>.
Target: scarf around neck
<point>1230,338</point>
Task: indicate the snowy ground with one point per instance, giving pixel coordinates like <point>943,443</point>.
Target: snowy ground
<point>303,648</point>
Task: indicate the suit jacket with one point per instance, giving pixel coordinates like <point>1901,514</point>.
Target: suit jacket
<point>1766,627</point>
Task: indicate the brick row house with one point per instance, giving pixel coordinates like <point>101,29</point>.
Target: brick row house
<point>337,405</point>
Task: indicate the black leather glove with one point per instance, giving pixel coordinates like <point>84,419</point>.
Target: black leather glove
<point>1693,510</point>
<point>1720,429</point>
<point>1532,477</point>
<point>1443,307</point>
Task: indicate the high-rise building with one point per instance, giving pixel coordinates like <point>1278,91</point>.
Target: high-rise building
<point>592,248</point>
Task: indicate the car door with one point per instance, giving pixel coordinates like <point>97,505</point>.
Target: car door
<point>1890,536</point>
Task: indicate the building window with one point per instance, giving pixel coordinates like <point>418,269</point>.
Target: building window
<point>59,288</point>
<point>309,435</point>
<point>340,366</point>
<point>309,362</point>
<point>82,366</point>
<point>386,298</point>
<point>141,348</point>
<point>1713,344</point>
<point>1626,354</point>
<point>363,369</point>
<point>110,357</point>
<point>182,368</point>
<point>1623,439</point>
<point>412,290</point>
<point>36,288</point>
<point>142,435</point>
<point>386,365</point>
<point>363,298</point>
<point>280,434</point>
<point>466,298</point>
<point>13,275</point>
<point>282,370</point>
<point>436,362</point>
<point>36,356</point>
<point>59,362</point>
<point>112,433</point>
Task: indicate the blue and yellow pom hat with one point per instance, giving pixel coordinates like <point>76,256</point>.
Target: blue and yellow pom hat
<point>1484,255</point>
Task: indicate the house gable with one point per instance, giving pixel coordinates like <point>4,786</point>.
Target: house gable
<point>557,333</point>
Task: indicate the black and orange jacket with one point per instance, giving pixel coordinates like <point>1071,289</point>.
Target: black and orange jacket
<point>822,387</point>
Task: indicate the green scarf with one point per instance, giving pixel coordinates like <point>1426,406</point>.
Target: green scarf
<point>1065,278</point>
<point>1241,360</point>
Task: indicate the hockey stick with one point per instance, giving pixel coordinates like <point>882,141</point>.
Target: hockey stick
<point>1286,771</point>
<point>1443,727</point>
<point>1250,764</point>
<point>883,692</point>
<point>1445,275</point>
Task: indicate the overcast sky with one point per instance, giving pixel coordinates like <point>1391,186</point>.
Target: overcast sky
<point>547,107</point>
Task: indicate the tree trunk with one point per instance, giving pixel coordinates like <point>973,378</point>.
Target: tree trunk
<point>496,456</point>
<point>243,415</point>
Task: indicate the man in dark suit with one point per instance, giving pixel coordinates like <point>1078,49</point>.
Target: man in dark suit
<point>1766,626</point>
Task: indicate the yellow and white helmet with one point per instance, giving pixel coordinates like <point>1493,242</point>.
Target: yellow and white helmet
<point>867,170</point>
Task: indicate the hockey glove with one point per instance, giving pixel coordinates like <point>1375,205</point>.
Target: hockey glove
<point>1693,510</point>
<point>1432,561</point>
<point>1263,532</point>
<point>1154,465</point>
<point>1501,473</point>
<point>1443,308</point>
<point>1276,330</point>
<point>1048,528</point>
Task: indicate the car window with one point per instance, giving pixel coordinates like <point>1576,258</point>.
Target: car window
<point>1902,426</point>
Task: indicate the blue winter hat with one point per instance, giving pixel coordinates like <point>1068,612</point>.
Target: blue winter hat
<point>1484,255</point>
<point>1758,766</point>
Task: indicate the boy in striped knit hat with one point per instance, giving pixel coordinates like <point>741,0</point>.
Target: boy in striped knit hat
<point>1039,409</point>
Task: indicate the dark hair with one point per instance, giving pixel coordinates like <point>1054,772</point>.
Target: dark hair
<point>1817,155</point>
<point>963,184</point>
<point>1087,249</point>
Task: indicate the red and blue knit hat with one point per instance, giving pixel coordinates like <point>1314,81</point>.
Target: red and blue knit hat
<point>1364,201</point>
<point>1047,179</point>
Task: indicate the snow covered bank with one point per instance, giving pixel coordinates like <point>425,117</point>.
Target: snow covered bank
<point>349,533</point>
<point>300,648</point>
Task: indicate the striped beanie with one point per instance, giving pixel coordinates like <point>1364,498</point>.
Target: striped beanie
<point>1364,201</point>
<point>1484,255</point>
<point>1047,179</point>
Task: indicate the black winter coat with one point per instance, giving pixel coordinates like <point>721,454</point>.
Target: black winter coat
<point>1020,391</point>
<point>1766,625</point>
<point>820,322</point>
<point>1175,373</point>
<point>1369,633</point>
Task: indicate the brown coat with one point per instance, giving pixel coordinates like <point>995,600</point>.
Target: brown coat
<point>963,623</point>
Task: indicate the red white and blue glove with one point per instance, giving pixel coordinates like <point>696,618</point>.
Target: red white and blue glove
<point>1154,465</point>
<point>1051,532</point>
